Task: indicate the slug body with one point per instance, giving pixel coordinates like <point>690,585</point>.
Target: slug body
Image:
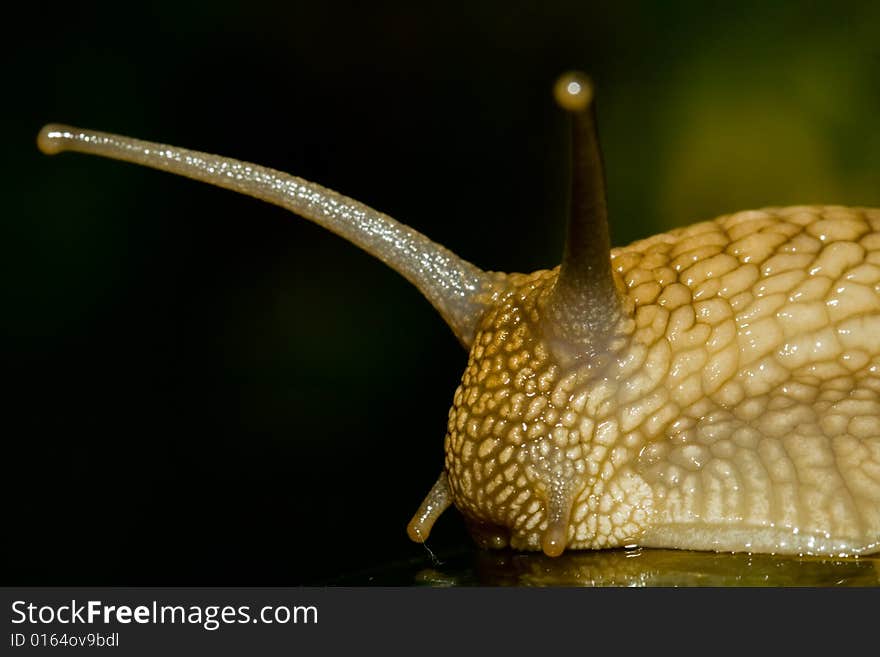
<point>734,406</point>
<point>716,387</point>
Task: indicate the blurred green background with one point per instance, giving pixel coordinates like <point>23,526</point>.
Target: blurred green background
<point>206,389</point>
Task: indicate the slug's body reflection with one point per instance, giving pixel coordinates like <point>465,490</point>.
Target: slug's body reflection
<point>640,567</point>
<point>649,567</point>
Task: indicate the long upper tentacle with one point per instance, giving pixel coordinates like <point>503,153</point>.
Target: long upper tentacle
<point>452,285</point>
<point>584,305</point>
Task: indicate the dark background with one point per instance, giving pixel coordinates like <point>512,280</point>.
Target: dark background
<point>204,389</point>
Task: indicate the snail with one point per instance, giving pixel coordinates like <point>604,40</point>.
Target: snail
<point>716,387</point>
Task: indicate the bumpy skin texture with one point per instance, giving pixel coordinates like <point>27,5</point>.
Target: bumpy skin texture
<point>735,407</point>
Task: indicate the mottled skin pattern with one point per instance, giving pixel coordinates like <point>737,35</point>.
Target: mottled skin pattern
<point>737,406</point>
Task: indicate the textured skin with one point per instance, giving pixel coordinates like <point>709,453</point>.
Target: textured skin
<point>736,407</point>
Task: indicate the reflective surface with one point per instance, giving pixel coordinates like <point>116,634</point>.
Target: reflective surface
<point>641,567</point>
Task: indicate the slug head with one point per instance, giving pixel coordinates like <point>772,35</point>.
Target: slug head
<point>521,450</point>
<point>523,445</point>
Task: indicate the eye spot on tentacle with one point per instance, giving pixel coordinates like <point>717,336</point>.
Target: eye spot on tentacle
<point>573,91</point>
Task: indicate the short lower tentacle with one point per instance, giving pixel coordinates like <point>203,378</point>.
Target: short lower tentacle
<point>438,499</point>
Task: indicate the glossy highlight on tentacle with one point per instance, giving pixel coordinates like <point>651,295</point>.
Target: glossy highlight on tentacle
<point>452,285</point>
<point>584,305</point>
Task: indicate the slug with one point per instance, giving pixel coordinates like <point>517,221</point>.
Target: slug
<point>716,387</point>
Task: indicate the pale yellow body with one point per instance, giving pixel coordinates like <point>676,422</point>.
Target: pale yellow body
<point>737,406</point>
